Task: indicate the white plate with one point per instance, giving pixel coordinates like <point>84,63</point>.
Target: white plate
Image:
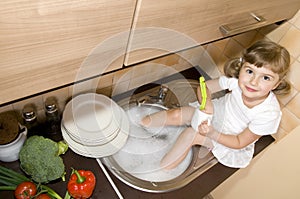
<point>99,151</point>
<point>92,117</point>
<point>90,142</point>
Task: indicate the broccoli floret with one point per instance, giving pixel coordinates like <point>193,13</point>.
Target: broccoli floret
<point>39,158</point>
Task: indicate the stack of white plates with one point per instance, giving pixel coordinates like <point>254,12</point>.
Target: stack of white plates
<point>94,125</point>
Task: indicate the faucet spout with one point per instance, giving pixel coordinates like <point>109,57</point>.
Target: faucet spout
<point>156,99</point>
<point>162,92</point>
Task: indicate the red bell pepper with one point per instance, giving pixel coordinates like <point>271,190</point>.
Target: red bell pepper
<point>81,184</point>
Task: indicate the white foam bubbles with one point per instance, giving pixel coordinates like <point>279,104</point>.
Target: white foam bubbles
<point>145,148</point>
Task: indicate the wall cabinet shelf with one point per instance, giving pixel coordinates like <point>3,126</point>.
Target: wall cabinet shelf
<point>180,24</point>
<point>44,44</point>
<point>49,44</point>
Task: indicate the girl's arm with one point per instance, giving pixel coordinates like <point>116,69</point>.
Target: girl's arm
<point>232,141</point>
<point>212,87</point>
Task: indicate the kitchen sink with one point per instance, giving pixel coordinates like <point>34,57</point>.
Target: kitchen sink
<point>129,164</point>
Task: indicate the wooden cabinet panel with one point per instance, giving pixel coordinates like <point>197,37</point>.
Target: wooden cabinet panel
<point>46,44</point>
<point>172,25</point>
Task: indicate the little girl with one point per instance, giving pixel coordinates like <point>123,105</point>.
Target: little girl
<point>248,111</point>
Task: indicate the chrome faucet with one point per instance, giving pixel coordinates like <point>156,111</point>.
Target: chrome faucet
<point>157,99</point>
<point>162,92</point>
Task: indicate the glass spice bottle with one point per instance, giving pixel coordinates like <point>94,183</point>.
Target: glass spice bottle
<point>52,116</point>
<point>30,119</point>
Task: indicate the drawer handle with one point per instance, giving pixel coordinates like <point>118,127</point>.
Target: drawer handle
<point>243,26</point>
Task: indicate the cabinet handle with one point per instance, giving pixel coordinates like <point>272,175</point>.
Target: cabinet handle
<point>243,26</point>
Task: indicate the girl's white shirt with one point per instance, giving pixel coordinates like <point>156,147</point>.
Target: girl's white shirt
<point>231,116</point>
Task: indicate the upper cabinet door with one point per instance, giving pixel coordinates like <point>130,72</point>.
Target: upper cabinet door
<point>46,44</point>
<point>168,26</point>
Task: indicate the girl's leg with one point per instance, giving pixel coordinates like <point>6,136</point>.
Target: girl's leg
<point>182,146</point>
<point>175,117</point>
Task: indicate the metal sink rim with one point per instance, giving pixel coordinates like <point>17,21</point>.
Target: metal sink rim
<point>192,172</point>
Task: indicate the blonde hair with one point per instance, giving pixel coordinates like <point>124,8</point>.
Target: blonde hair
<point>264,54</point>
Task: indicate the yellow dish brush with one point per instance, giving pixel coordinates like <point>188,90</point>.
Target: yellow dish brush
<point>203,92</point>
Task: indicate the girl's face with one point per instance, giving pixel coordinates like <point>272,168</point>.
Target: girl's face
<point>256,83</point>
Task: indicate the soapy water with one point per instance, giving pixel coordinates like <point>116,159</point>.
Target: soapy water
<point>145,148</point>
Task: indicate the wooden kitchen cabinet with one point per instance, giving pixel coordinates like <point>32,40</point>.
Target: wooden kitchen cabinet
<point>172,25</point>
<point>47,44</point>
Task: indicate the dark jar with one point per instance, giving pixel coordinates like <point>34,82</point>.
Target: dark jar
<point>29,116</point>
<point>52,116</point>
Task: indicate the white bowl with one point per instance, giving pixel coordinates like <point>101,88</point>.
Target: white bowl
<point>10,152</point>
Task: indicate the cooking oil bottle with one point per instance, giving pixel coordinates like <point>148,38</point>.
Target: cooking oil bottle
<point>29,116</point>
<point>52,116</point>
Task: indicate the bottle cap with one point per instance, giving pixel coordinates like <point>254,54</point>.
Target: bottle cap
<point>29,113</point>
<point>50,105</point>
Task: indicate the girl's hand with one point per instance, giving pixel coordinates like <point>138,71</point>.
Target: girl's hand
<point>208,131</point>
<point>204,129</point>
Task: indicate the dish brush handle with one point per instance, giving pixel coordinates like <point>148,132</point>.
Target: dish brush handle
<point>203,93</point>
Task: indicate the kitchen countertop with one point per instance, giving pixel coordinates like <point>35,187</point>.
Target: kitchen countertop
<point>102,190</point>
<point>196,189</point>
